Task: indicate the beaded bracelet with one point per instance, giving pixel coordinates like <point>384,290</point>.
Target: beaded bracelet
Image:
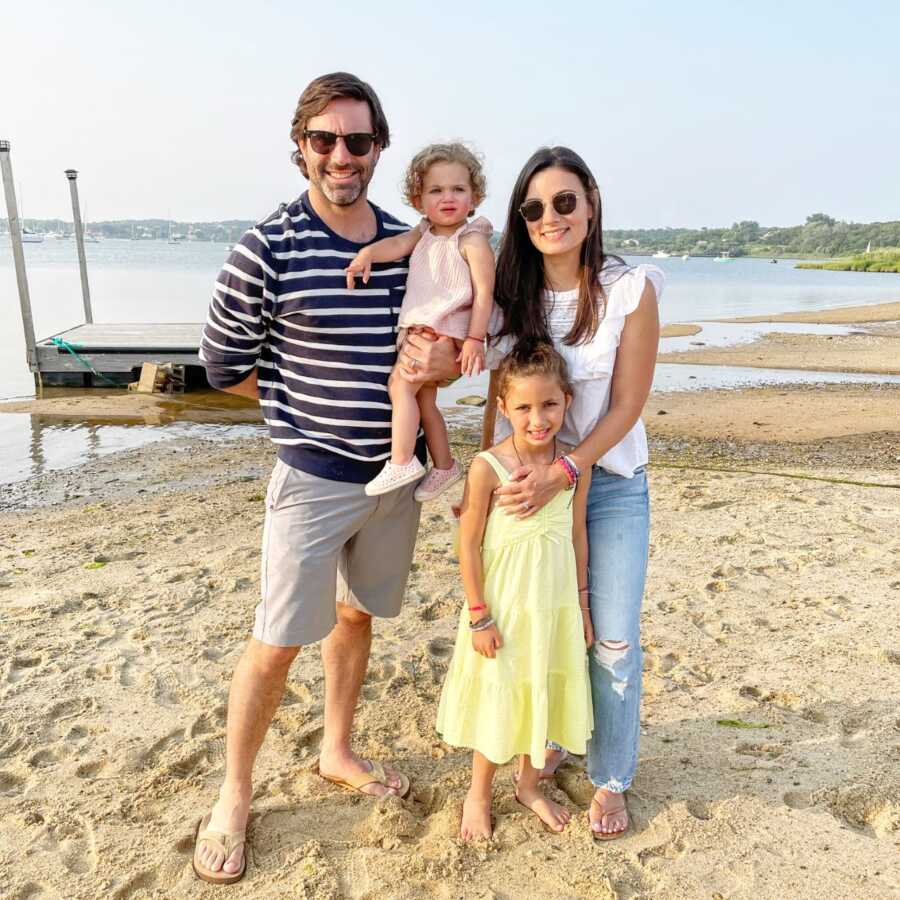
<point>482,624</point>
<point>472,337</point>
<point>569,468</point>
<point>477,608</point>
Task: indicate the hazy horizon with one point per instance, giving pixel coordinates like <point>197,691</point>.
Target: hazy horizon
<point>689,117</point>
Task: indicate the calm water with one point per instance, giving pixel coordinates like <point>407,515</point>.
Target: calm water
<point>151,281</point>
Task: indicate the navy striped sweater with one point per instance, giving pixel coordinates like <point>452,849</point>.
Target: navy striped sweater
<point>322,353</point>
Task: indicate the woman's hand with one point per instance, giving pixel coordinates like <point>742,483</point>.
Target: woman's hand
<point>427,358</point>
<point>487,642</point>
<point>471,357</point>
<point>588,626</point>
<point>530,488</point>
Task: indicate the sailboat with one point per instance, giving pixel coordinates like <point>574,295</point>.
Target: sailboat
<point>29,236</point>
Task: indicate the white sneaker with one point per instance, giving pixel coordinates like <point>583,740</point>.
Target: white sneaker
<point>437,481</point>
<point>392,477</point>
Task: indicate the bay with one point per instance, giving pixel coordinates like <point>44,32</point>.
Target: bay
<point>153,281</point>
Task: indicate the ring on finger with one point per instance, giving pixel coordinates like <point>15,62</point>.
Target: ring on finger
<point>526,505</point>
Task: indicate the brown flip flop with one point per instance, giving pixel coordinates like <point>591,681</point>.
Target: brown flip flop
<point>611,835</point>
<point>227,843</point>
<point>375,775</point>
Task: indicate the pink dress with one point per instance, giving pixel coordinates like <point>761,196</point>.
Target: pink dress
<point>439,289</point>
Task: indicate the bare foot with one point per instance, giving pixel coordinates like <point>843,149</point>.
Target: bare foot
<point>554,816</point>
<point>553,759</point>
<point>476,818</point>
<point>229,814</point>
<point>608,814</point>
<point>343,765</point>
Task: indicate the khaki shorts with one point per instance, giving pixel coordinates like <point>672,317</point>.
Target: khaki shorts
<point>326,541</point>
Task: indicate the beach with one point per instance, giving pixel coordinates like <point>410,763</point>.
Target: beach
<point>770,747</point>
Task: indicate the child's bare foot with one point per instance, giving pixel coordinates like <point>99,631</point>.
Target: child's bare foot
<point>554,816</point>
<point>553,759</point>
<point>476,818</point>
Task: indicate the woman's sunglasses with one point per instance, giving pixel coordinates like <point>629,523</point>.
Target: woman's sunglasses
<point>564,203</point>
<point>323,142</point>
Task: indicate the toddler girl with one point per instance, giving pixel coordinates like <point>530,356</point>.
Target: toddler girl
<point>519,675</point>
<point>449,291</point>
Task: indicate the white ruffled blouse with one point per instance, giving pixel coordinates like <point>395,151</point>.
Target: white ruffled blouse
<point>591,364</point>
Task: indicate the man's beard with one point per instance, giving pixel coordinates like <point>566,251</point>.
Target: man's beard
<point>342,195</point>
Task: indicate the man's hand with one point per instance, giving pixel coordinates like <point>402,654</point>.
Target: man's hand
<point>427,358</point>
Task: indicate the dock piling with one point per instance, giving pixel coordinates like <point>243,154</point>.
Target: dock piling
<point>72,175</point>
<point>15,234</point>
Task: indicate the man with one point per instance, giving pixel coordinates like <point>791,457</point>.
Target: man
<point>283,327</point>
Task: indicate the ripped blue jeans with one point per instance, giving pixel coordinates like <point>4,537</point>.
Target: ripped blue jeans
<point>618,525</point>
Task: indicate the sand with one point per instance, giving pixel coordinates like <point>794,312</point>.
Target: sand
<point>844,315</point>
<point>679,330</point>
<point>770,755</point>
<point>793,414</point>
<point>854,352</point>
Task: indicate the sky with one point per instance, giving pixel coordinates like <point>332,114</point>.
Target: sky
<point>689,114</point>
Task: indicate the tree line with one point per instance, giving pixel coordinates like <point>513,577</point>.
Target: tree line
<point>821,236</point>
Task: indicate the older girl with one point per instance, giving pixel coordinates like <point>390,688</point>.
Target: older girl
<point>555,282</point>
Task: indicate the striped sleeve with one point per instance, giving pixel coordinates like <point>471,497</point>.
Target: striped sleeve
<point>240,308</point>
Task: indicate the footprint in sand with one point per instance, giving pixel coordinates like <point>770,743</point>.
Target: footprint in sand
<point>45,758</point>
<point>11,740</point>
<point>72,840</point>
<point>440,648</point>
<point>21,666</point>
<point>661,664</point>
<point>866,806</point>
<point>11,785</point>
<point>798,799</point>
<point>30,891</point>
<point>139,885</point>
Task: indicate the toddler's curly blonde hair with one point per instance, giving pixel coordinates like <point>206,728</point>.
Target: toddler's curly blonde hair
<point>437,153</point>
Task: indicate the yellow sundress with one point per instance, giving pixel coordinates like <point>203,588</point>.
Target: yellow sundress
<point>537,687</point>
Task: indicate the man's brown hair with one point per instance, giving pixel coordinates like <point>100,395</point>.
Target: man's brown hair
<point>320,92</point>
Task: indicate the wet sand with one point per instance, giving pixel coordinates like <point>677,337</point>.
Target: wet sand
<point>770,762</point>
<point>678,330</point>
<point>855,352</point>
<point>844,315</point>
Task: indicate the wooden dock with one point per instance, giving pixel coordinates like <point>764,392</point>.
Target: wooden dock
<point>92,354</point>
<point>96,354</point>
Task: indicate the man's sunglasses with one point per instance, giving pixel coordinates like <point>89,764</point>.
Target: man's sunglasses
<point>564,203</point>
<point>323,142</point>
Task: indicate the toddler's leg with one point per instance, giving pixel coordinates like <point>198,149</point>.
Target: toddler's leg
<point>402,468</point>
<point>404,418</point>
<point>445,470</point>
<point>528,793</point>
<point>476,817</point>
<point>435,427</point>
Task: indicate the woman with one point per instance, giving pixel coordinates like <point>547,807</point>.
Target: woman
<point>555,282</point>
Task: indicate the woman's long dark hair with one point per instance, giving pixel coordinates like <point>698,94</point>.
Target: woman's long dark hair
<point>520,266</point>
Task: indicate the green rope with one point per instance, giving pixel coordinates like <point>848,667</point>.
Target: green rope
<point>65,345</point>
